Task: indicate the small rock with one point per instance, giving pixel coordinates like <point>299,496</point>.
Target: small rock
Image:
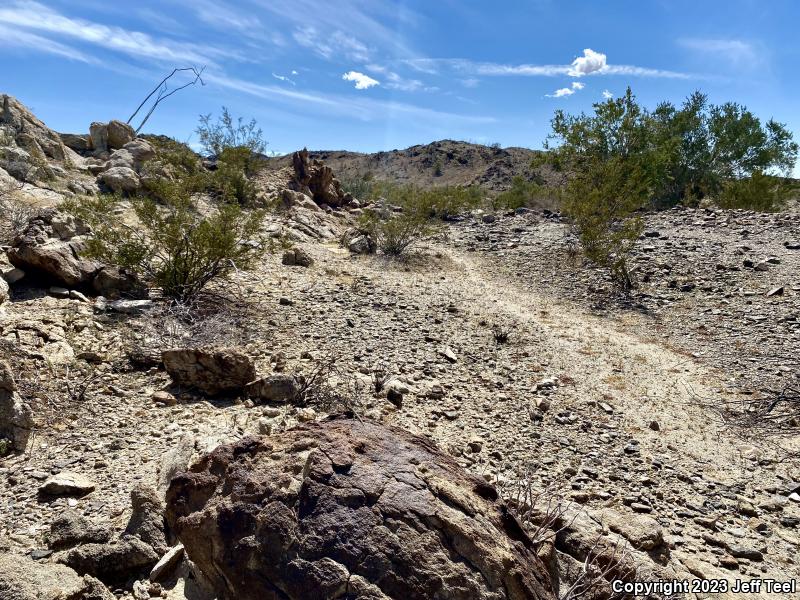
<point>778,291</point>
<point>165,398</point>
<point>58,292</point>
<point>167,562</point>
<point>395,397</point>
<point>748,553</point>
<point>448,354</point>
<point>67,484</point>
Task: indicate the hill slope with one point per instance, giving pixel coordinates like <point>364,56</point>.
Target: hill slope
<point>445,162</point>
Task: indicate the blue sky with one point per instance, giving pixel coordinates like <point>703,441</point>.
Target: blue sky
<point>378,74</point>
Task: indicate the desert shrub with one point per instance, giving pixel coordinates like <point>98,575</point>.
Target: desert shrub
<point>418,211</point>
<point>228,132</point>
<point>14,213</point>
<point>175,172</point>
<point>231,181</point>
<point>623,158</point>
<point>611,171</point>
<point>758,192</point>
<point>361,186</point>
<point>448,201</point>
<point>524,193</point>
<point>699,148</point>
<point>174,246</point>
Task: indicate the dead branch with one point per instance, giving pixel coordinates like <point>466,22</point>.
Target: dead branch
<point>162,92</point>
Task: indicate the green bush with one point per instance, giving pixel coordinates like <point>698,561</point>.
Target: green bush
<point>361,186</point>
<point>231,181</point>
<point>610,163</point>
<point>758,192</point>
<point>523,193</point>
<point>228,132</point>
<point>172,246</point>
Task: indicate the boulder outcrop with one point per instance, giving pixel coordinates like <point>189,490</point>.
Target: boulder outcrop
<point>350,509</point>
<point>211,370</point>
<point>51,248</point>
<point>316,180</point>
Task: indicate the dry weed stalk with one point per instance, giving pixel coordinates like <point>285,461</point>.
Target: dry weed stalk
<point>598,569</point>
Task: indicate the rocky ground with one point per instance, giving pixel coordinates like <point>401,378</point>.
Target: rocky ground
<point>609,403</point>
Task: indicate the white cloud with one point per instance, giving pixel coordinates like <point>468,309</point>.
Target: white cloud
<point>560,93</point>
<point>363,82</point>
<point>283,78</point>
<point>372,22</point>
<point>295,72</point>
<point>13,37</point>
<point>607,95</point>
<point>590,62</point>
<point>364,108</point>
<point>736,53</point>
<point>329,46</point>
<point>224,16</point>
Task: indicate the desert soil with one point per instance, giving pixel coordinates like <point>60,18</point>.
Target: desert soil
<point>602,399</point>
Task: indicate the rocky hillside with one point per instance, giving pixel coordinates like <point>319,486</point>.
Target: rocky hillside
<point>446,162</point>
<point>485,418</point>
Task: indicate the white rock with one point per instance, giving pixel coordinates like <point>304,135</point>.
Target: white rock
<point>167,562</point>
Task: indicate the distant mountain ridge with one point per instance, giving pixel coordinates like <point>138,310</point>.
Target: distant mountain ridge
<point>446,162</point>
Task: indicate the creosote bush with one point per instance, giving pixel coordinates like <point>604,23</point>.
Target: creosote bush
<point>524,193</point>
<point>178,243</point>
<point>764,193</point>
<point>174,246</point>
<point>227,132</point>
<point>417,215</point>
<point>14,214</point>
<point>624,158</point>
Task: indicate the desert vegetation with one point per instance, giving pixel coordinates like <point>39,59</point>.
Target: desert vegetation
<point>190,226</point>
<point>624,159</point>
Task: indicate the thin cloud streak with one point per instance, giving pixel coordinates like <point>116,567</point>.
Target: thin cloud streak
<point>366,109</point>
<point>434,66</point>
<point>32,15</point>
<point>15,38</point>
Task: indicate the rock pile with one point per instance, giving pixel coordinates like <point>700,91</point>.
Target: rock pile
<point>316,180</point>
<point>345,509</point>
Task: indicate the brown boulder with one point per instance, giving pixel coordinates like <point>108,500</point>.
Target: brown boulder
<point>297,257</point>
<point>210,370</point>
<point>350,509</point>
<point>316,180</point>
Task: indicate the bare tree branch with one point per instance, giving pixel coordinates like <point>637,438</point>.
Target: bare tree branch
<point>163,92</point>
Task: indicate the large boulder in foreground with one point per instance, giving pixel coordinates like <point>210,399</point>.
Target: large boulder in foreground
<point>213,371</point>
<point>349,509</point>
